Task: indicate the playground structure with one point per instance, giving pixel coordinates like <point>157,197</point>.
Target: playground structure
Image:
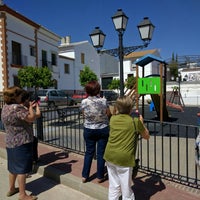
<point>176,100</point>
<point>155,86</point>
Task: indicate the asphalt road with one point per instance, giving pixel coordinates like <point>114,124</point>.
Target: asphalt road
<point>188,117</point>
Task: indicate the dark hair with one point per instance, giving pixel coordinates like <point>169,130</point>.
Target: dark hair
<point>25,96</point>
<point>92,88</point>
<point>10,94</point>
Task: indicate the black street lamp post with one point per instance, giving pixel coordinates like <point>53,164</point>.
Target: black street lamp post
<point>120,21</point>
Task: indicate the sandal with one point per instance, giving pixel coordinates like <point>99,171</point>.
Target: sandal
<point>84,180</point>
<point>32,198</point>
<point>100,180</point>
<point>11,193</point>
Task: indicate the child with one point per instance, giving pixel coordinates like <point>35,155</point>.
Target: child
<point>120,149</point>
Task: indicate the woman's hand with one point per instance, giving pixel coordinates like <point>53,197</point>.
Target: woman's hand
<point>32,104</point>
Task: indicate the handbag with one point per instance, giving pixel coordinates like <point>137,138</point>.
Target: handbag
<point>197,149</point>
<point>135,168</point>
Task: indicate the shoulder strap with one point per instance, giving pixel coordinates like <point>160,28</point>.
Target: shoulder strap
<point>135,126</point>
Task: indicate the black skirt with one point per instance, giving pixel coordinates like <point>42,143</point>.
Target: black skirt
<point>20,159</point>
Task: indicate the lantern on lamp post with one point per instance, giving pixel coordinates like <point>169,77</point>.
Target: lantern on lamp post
<point>120,20</point>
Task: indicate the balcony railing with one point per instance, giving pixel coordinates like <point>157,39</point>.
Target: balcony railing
<point>16,61</point>
<point>52,68</point>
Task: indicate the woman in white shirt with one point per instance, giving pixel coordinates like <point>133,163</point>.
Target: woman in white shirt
<point>96,129</point>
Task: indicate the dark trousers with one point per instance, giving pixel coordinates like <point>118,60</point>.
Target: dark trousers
<point>92,138</point>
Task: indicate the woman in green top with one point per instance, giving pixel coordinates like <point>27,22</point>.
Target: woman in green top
<point>121,147</point>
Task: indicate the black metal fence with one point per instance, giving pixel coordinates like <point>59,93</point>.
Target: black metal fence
<point>170,152</point>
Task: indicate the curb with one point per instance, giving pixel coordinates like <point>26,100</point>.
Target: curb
<point>91,189</point>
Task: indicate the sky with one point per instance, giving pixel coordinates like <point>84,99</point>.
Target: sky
<point>177,22</point>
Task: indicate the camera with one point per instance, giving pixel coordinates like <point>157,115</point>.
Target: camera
<point>35,98</point>
<point>135,114</point>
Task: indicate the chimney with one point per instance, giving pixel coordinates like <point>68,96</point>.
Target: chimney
<point>63,41</point>
<point>68,39</point>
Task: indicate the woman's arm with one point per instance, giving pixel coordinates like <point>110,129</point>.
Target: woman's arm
<point>37,111</point>
<point>33,114</point>
<point>145,134</point>
<point>108,112</point>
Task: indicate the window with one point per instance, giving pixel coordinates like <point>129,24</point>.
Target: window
<point>82,58</point>
<point>66,69</point>
<point>53,93</point>
<point>130,75</point>
<point>16,53</point>
<point>32,51</point>
<point>16,81</point>
<point>53,59</point>
<point>105,82</point>
<point>44,59</point>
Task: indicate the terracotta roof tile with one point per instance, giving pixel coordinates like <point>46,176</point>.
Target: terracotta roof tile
<point>140,53</point>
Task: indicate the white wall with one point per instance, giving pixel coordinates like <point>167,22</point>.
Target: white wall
<point>49,43</point>
<point>22,33</point>
<point>66,81</point>
<point>190,92</point>
<point>91,59</point>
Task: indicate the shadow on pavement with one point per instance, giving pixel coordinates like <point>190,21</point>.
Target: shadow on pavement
<point>39,185</point>
<point>146,186</point>
<point>53,156</point>
<point>56,164</point>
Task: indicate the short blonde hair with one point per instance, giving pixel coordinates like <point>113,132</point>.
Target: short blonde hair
<point>124,105</point>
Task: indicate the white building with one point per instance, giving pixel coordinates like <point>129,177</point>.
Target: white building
<point>24,43</point>
<point>130,67</point>
<point>84,54</point>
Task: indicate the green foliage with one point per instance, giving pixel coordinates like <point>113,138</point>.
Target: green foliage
<point>35,77</point>
<point>87,75</point>
<point>130,82</point>
<point>114,85</point>
<point>173,66</point>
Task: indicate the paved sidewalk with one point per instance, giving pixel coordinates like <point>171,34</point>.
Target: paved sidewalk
<point>65,168</point>
<point>40,186</point>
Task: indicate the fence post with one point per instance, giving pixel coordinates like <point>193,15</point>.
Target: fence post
<point>39,123</point>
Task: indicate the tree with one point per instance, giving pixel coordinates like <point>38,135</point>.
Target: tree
<point>114,85</point>
<point>87,75</point>
<point>173,66</point>
<point>35,77</point>
<point>130,82</point>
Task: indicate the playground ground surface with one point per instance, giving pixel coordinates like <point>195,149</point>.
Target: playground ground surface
<point>187,117</point>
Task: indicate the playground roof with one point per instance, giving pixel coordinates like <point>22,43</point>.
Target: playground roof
<point>147,59</point>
